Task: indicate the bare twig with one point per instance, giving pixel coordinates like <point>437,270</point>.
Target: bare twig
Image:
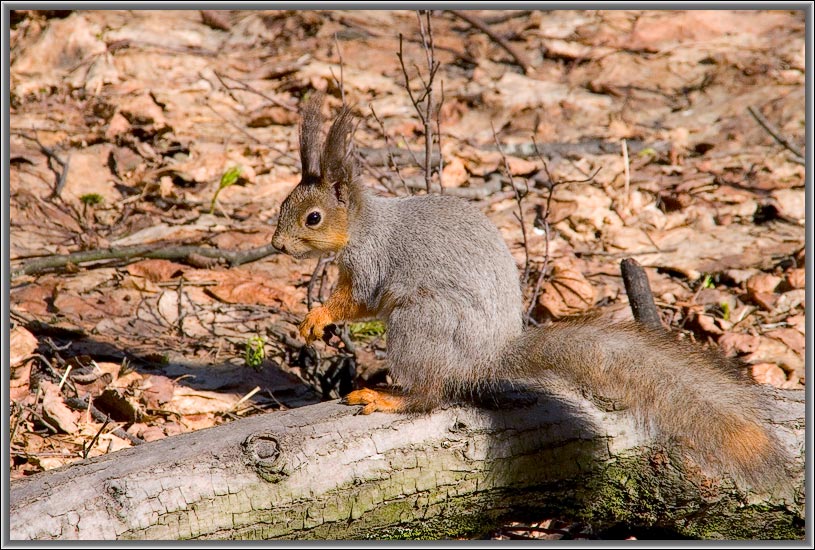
<point>99,416</point>
<point>551,184</point>
<point>178,252</point>
<point>424,104</point>
<point>243,86</point>
<point>519,58</point>
<point>341,81</point>
<point>315,276</point>
<point>776,135</point>
<point>432,67</point>
<point>380,176</point>
<point>391,159</point>
<point>627,172</point>
<point>547,235</point>
<point>519,215</point>
<point>62,175</point>
<point>87,449</point>
<point>438,138</point>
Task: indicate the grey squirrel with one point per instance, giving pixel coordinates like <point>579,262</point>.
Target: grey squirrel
<point>439,273</point>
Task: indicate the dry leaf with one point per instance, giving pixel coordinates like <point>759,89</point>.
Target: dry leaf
<point>156,270</point>
<point>791,337</point>
<point>567,292</point>
<point>733,343</point>
<point>272,115</point>
<point>21,345</point>
<point>796,278</point>
<point>55,411</point>
<point>791,203</point>
<point>117,126</point>
<point>768,373</point>
<point>774,351</point>
<point>189,401</point>
<point>239,287</point>
<point>763,283</point>
<point>455,174</point>
<point>118,405</point>
<point>157,391</point>
<point>790,300</point>
<point>20,377</point>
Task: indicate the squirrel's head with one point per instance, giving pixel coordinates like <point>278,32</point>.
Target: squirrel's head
<point>314,217</point>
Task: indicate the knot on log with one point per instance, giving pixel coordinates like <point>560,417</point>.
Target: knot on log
<point>264,453</point>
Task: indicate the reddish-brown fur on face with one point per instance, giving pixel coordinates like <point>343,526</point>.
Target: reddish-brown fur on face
<point>327,186</point>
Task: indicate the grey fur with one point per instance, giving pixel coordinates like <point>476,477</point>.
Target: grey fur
<point>438,300</point>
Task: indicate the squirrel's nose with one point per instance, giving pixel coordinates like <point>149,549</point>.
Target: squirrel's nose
<point>276,242</point>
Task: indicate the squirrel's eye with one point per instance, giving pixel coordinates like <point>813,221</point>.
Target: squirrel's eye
<point>313,218</point>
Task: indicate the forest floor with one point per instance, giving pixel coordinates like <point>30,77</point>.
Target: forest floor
<point>674,138</point>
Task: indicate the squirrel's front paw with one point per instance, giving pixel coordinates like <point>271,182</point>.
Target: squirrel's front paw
<point>313,326</point>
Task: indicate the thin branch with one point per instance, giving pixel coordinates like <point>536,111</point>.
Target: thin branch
<point>552,183</point>
<point>519,197</point>
<point>627,172</point>
<point>519,58</point>
<point>438,138</point>
<point>432,68</point>
<point>99,416</point>
<point>391,159</point>
<point>776,135</point>
<point>424,104</point>
<point>87,449</point>
<point>233,258</point>
<point>315,276</point>
<point>243,86</point>
<point>341,81</point>
<point>62,175</point>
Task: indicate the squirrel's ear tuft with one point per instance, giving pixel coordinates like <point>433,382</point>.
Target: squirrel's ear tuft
<point>311,123</point>
<point>337,164</point>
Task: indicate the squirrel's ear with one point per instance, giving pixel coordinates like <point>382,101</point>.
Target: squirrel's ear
<point>337,165</point>
<point>311,123</point>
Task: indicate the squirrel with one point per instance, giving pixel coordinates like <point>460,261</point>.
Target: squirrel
<point>437,271</point>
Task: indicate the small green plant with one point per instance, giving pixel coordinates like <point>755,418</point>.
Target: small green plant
<point>707,282</point>
<point>255,352</point>
<point>228,178</point>
<point>92,199</point>
<point>368,329</point>
<point>725,310</point>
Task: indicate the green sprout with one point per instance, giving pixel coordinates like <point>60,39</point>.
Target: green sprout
<point>725,310</point>
<point>368,329</point>
<point>229,178</point>
<point>92,199</point>
<point>707,282</point>
<point>255,352</point>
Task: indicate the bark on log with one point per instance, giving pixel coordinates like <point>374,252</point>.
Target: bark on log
<point>322,472</point>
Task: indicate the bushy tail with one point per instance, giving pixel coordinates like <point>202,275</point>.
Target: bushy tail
<point>693,395</point>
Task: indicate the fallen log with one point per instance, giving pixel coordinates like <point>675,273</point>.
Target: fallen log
<point>322,472</point>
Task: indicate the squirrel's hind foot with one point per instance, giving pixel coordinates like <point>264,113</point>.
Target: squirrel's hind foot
<point>375,400</point>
